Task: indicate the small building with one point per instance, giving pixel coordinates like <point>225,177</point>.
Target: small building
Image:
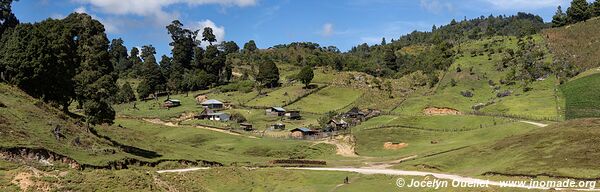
<point>246,126</point>
<point>293,115</point>
<point>334,125</point>
<point>171,103</point>
<point>275,111</point>
<point>213,104</point>
<point>355,113</point>
<point>211,115</point>
<point>279,126</point>
<point>302,132</point>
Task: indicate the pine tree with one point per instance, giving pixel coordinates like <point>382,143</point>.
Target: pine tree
<point>578,11</point>
<point>595,8</point>
<point>125,94</point>
<point>560,18</point>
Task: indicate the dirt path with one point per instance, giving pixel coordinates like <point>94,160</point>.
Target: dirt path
<point>457,178</point>
<point>183,170</point>
<point>371,171</point>
<point>534,123</point>
<point>387,164</point>
<point>344,145</point>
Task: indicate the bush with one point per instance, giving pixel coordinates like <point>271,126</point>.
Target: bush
<point>241,86</point>
<point>466,93</point>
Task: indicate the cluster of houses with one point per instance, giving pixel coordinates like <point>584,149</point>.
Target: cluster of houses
<point>212,111</point>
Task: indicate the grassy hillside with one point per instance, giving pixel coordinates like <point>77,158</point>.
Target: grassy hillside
<point>567,149</point>
<point>476,70</point>
<point>577,43</point>
<point>28,123</point>
<point>582,98</point>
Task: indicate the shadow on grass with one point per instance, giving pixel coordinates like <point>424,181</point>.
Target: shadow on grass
<point>126,148</point>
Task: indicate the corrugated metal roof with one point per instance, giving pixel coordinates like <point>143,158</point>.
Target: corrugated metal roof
<point>303,129</point>
<point>279,109</point>
<point>211,101</point>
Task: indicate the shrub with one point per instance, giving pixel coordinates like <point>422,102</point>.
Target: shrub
<point>466,93</point>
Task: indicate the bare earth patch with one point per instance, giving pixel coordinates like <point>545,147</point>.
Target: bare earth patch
<point>440,111</point>
<point>391,145</point>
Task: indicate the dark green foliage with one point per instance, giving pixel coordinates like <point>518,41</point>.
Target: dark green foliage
<point>306,75</point>
<point>250,47</point>
<point>183,43</point>
<point>229,47</point>
<point>197,80</point>
<point>101,110</point>
<point>38,59</point>
<point>135,61</point>
<point>61,61</point>
<point>9,20</point>
<point>152,77</point>
<point>268,74</point>
<point>560,18</point>
<point>453,82</point>
<point>125,94</point>
<point>118,56</point>
<point>595,8</point>
<point>95,82</point>
<point>578,11</point>
<point>244,86</point>
<point>207,35</point>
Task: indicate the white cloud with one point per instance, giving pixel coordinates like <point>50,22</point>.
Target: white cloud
<point>436,6</point>
<point>524,4</point>
<point>155,8</point>
<point>327,29</point>
<point>218,31</point>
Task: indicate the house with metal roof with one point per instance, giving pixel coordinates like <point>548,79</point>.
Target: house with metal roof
<point>302,132</point>
<point>209,114</point>
<point>171,103</point>
<point>213,104</point>
<point>275,111</point>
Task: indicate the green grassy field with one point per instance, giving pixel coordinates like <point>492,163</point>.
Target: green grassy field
<point>328,99</point>
<point>582,99</point>
<point>196,143</point>
<point>439,123</point>
<point>280,97</point>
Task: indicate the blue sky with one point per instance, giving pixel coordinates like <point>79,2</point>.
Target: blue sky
<point>342,23</point>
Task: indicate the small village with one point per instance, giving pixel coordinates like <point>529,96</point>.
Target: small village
<point>214,110</point>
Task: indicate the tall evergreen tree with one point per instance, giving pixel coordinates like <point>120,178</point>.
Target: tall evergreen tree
<point>95,82</point>
<point>560,18</point>
<point>578,11</point>
<point>595,8</point>
<point>7,18</point>
<point>125,94</point>
<point>183,43</point>
<point>118,55</point>
<point>135,62</point>
<point>152,76</point>
<point>208,36</point>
